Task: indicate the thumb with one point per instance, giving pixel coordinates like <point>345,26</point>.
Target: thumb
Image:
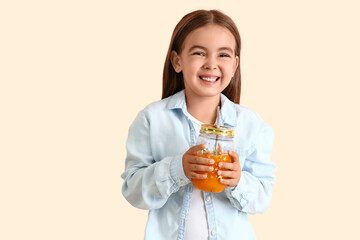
<point>234,156</point>
<point>195,149</point>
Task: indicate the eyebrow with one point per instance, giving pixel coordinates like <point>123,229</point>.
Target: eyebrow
<point>220,49</point>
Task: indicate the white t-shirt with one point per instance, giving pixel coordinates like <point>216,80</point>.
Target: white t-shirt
<point>196,226</point>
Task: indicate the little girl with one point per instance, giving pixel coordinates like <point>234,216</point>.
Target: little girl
<point>201,72</point>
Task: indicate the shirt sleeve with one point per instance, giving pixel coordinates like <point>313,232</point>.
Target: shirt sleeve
<point>148,183</point>
<point>254,191</point>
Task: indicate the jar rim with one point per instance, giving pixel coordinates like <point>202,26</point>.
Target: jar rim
<point>217,130</point>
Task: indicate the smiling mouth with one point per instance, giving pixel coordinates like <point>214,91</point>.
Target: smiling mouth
<point>209,79</point>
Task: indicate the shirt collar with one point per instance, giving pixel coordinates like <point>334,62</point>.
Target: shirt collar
<point>177,100</point>
<point>228,110</point>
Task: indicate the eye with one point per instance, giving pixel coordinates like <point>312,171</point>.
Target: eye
<point>223,55</point>
<point>199,53</point>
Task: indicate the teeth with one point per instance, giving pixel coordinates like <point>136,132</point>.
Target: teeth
<point>209,79</point>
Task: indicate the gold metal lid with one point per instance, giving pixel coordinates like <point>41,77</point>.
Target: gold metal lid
<point>217,130</point>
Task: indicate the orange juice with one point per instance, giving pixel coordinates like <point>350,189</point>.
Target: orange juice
<point>212,182</point>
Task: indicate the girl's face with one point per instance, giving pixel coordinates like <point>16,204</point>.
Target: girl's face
<point>207,61</point>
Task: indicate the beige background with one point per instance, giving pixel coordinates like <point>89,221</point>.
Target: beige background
<point>75,73</point>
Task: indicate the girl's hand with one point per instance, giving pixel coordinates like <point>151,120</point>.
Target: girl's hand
<point>230,171</point>
<point>193,164</point>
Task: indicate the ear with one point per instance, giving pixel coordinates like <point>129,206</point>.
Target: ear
<point>175,61</point>
<point>236,64</point>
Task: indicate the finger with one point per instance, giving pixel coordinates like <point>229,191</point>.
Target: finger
<point>220,148</point>
<point>200,160</point>
<point>193,150</point>
<point>234,156</point>
<point>195,175</point>
<point>201,168</point>
<point>227,174</point>
<point>228,182</point>
<point>228,166</point>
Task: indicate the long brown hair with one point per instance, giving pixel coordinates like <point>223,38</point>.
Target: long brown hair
<point>173,82</point>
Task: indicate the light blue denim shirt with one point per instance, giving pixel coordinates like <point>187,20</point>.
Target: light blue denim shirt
<point>154,178</point>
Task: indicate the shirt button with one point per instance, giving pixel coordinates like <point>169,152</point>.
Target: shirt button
<point>208,198</point>
<point>183,181</point>
<point>213,232</point>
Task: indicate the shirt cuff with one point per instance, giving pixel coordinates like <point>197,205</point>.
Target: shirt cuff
<point>177,171</point>
<point>236,194</point>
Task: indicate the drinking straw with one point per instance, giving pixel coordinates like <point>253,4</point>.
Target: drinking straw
<point>218,124</point>
<point>218,118</point>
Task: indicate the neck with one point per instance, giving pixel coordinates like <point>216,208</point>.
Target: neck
<point>203,109</point>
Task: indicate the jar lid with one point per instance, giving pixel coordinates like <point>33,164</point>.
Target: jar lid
<point>217,130</point>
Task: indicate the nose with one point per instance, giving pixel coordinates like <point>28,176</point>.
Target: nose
<point>210,63</point>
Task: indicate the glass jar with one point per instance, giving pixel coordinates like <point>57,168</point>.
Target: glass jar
<point>218,140</point>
